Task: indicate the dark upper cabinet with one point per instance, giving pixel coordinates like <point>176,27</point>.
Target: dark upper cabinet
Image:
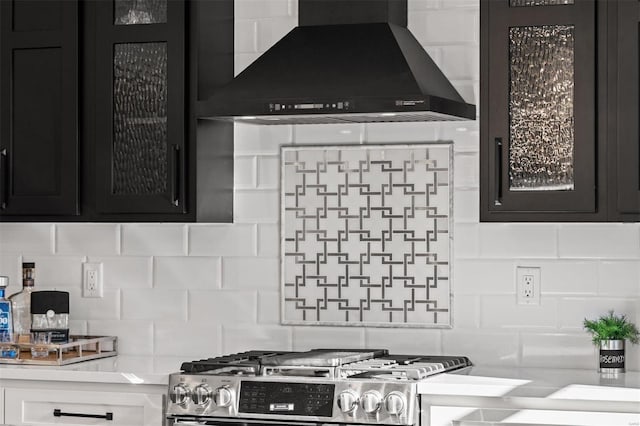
<point>624,104</point>
<point>97,117</point>
<point>140,125</point>
<point>38,108</point>
<point>539,116</point>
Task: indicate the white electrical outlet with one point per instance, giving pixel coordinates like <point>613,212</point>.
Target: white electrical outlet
<point>528,285</point>
<point>92,280</point>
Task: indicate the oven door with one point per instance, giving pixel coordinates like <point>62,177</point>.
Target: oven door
<point>247,422</point>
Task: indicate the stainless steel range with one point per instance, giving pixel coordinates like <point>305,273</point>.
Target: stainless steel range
<point>301,388</point>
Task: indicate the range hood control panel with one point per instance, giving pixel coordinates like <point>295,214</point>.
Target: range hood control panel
<point>316,107</point>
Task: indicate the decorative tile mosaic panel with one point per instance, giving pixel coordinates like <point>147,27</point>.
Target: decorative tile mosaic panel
<point>366,235</point>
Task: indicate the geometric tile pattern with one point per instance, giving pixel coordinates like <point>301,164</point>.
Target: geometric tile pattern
<point>366,235</point>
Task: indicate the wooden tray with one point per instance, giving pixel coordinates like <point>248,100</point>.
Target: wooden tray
<point>79,348</point>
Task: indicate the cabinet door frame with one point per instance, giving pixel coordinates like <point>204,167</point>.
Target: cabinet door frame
<point>498,203</point>
<point>173,33</point>
<point>65,201</point>
<point>624,88</point>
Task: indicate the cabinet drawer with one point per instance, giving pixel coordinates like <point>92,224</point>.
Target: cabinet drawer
<point>39,407</point>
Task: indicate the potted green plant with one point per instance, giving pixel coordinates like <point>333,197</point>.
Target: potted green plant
<point>609,333</point>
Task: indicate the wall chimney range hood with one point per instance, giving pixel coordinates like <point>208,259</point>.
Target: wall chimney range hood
<point>347,61</point>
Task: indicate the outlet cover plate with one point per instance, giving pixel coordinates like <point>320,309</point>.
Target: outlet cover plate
<point>92,280</point>
<point>528,285</point>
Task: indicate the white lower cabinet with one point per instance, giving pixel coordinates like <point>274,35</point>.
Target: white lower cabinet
<point>43,407</point>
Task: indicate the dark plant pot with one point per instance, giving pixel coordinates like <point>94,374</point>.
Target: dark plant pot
<point>611,356</point>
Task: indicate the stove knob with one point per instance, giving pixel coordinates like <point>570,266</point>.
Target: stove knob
<point>347,401</point>
<point>201,395</point>
<point>395,403</point>
<point>223,397</point>
<point>179,394</point>
<point>371,401</point>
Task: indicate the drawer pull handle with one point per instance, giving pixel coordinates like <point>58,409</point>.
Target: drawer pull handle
<point>107,416</point>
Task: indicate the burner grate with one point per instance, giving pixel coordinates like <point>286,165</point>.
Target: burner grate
<point>241,363</point>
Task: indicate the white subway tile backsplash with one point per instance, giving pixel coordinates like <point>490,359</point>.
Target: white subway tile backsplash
<point>11,266</point>
<point>202,341</point>
<point>250,272</point>
<point>240,338</point>
<point>619,278</point>
<point>466,170</point>
<point>134,337</point>
<point>566,276</point>
<point>105,308</point>
<point>466,311</point>
<point>502,311</point>
<point>246,36</point>
<point>244,172</point>
<point>423,4</point>
<point>78,327</point>
<point>405,340</point>
<point>243,60</point>
<point>56,272</point>
<point>222,240</point>
<point>91,239</point>
<point>154,304</point>
<point>226,306</point>
<point>268,240</point>
<point>557,350</point>
<point>483,347</point>
<point>518,240</point>
<point>186,272</point>
<point>483,277</point>
<point>268,307</point>
<point>619,241</point>
<point>260,206</point>
<point>465,136</point>
<point>306,338</point>
<point>445,26</point>
<point>245,9</point>
<point>125,271</point>
<point>323,134</point>
<point>26,237</point>
<point>460,62</point>
<point>401,132</point>
<point>271,30</point>
<point>269,172</point>
<point>466,206</point>
<point>260,140</point>
<point>465,240</point>
<point>154,239</point>
<point>573,310</point>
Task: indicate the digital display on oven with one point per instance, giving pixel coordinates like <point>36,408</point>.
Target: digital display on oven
<point>296,399</point>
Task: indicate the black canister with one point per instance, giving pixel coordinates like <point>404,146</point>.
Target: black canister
<point>50,312</point>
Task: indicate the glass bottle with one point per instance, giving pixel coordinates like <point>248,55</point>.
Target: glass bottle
<point>7,346</point>
<point>21,303</point>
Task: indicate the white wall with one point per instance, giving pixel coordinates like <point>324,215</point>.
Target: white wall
<point>179,291</point>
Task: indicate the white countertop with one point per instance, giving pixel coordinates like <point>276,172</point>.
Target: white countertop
<point>534,394</point>
<point>118,369</point>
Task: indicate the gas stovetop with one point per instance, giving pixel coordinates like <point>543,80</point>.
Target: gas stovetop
<point>322,385</point>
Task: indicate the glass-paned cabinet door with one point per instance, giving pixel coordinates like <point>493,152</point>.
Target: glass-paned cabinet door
<point>538,79</point>
<point>140,124</point>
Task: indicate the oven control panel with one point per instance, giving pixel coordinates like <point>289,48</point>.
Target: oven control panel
<point>202,397</point>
